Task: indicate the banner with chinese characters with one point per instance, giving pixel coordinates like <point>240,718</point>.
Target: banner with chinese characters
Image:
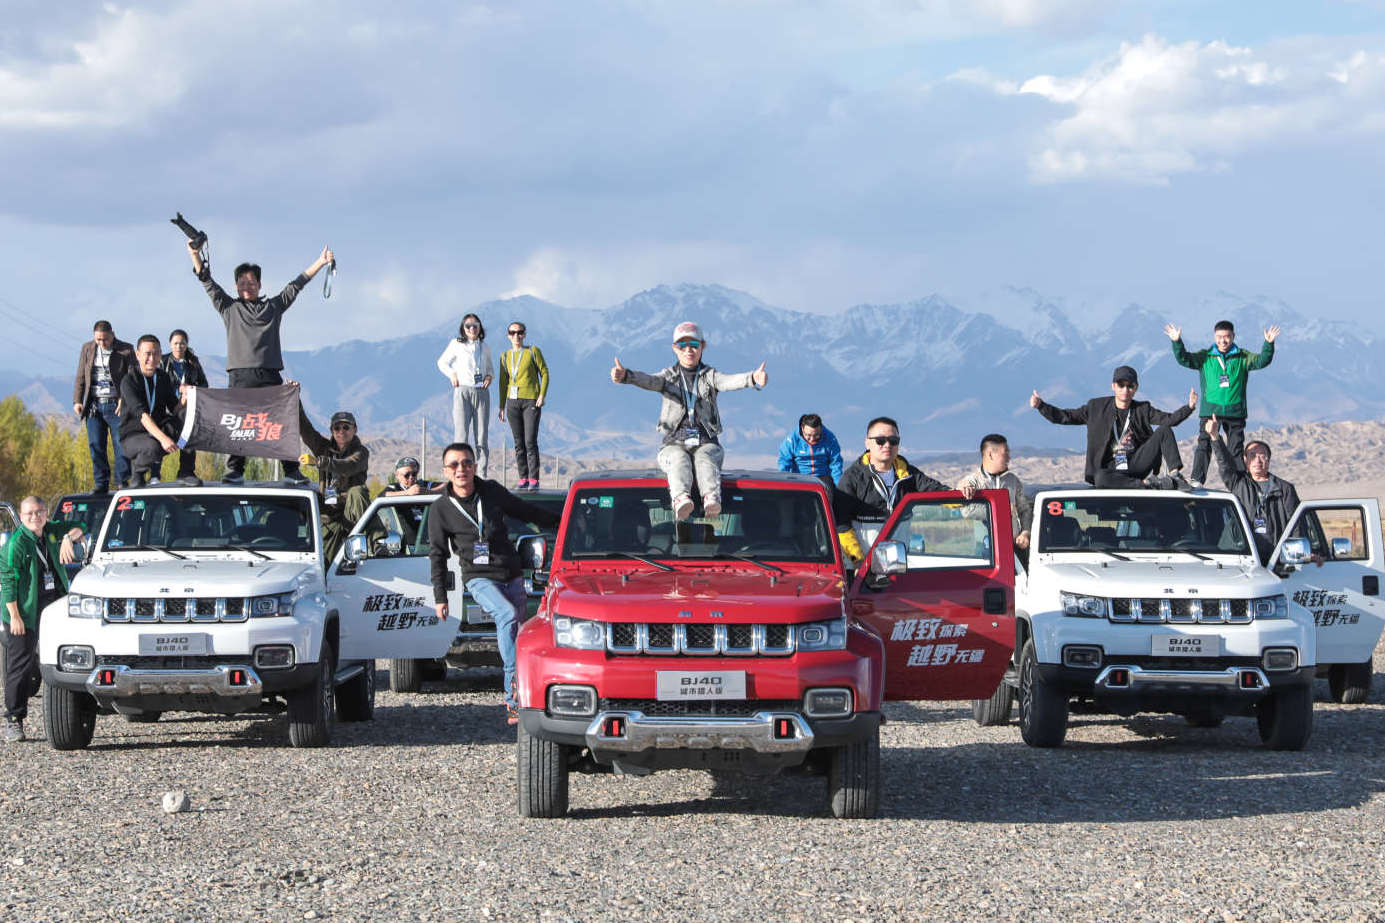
<point>259,422</point>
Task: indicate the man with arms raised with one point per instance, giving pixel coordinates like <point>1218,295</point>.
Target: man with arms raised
<point>469,521</point>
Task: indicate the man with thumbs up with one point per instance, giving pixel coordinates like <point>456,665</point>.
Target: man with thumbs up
<point>689,419</point>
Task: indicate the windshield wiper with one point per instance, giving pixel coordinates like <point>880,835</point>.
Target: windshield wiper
<point>1115,554</point>
<point>248,550</point>
<point>623,554</point>
<point>171,554</point>
<point>1197,554</point>
<point>749,560</point>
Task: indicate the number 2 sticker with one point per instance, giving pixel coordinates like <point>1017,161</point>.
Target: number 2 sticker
<point>122,504</point>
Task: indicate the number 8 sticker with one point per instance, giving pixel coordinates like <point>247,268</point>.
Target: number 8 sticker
<point>1055,508</point>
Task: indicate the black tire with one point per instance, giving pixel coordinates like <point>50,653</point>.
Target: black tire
<point>356,696</point>
<point>313,709</point>
<point>994,711</point>
<point>1043,710</point>
<point>853,778</point>
<point>1285,718</point>
<point>69,717</point>
<point>1350,683</point>
<point>1204,719</point>
<point>434,671</point>
<point>542,776</point>
<point>406,675</point>
<point>147,717</point>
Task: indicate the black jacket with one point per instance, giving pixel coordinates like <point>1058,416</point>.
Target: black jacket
<point>192,370</point>
<point>1099,416</point>
<point>134,401</point>
<point>1276,505</point>
<point>860,493</point>
<point>449,532</point>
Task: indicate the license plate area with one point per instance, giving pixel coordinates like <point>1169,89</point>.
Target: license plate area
<point>1186,646</point>
<point>180,642</point>
<point>699,685</point>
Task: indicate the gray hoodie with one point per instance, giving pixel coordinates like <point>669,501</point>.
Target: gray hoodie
<point>252,327</point>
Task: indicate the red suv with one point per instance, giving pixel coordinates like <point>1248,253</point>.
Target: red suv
<point>735,642</point>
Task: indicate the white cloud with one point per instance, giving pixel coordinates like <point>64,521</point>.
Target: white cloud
<point>1157,109</point>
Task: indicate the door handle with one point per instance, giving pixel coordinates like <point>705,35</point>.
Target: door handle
<point>451,581</point>
<point>993,600</point>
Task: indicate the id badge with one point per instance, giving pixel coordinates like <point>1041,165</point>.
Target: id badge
<point>1121,463</point>
<point>1260,525</point>
<point>1224,381</point>
<point>331,497</point>
<point>481,553</point>
<point>477,378</point>
<point>48,584</point>
<point>514,392</point>
<point>691,439</point>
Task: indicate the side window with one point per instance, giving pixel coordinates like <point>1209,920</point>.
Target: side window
<point>1337,534</point>
<point>940,533</point>
<point>407,520</point>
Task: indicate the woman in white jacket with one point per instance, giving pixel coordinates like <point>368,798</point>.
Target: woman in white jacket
<point>466,362</point>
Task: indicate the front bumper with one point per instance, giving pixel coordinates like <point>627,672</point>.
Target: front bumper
<point>209,689</point>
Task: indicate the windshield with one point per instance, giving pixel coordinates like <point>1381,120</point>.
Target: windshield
<point>210,522</point>
<point>87,512</point>
<point>1142,524</point>
<point>620,522</point>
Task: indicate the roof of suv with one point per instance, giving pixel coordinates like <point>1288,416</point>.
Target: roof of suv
<point>735,474</point>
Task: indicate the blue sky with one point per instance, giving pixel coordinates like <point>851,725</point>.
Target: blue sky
<point>815,154</point>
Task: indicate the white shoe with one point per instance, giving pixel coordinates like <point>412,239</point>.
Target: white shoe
<point>712,508</point>
<point>682,507</point>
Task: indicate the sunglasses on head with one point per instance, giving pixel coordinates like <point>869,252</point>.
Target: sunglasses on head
<point>688,344</point>
<point>884,440</point>
<point>515,333</point>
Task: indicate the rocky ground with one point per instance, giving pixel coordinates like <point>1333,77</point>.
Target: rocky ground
<point>412,817</point>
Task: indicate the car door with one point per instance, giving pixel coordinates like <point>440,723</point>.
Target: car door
<point>1344,593</point>
<point>385,602</point>
<point>948,620</point>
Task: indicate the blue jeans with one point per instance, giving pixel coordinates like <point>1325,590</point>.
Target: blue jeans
<point>504,602</point>
<point>101,419</point>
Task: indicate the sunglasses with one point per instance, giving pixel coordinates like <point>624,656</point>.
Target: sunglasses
<point>688,344</point>
<point>464,463</point>
<point>472,326</point>
<point>342,427</point>
<point>884,440</point>
<point>515,333</point>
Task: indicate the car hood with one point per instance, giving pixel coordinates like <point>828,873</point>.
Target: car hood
<point>1154,579</point>
<point>191,578</point>
<point>668,597</point>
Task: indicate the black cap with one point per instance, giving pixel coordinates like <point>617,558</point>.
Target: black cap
<point>408,461</point>
<point>343,416</point>
<point>1125,373</point>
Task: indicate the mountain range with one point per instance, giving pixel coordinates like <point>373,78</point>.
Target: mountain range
<point>947,375</point>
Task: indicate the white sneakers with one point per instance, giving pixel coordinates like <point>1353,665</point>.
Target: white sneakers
<point>712,508</point>
<point>682,507</point>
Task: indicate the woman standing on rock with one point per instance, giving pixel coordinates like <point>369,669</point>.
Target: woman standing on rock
<point>466,362</point>
<point>523,385</point>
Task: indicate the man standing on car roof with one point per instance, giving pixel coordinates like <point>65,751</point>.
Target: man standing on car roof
<point>30,578</point>
<point>101,368</point>
<point>1269,501</point>
<point>469,521</point>
<point>253,358</point>
<point>1124,448</point>
<point>1225,368</point>
<point>870,488</point>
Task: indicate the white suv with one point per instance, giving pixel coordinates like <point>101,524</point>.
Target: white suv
<point>204,599</point>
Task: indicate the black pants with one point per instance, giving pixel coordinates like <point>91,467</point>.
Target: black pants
<point>21,672</point>
<point>255,378</point>
<point>147,456</point>
<point>1235,430</point>
<point>1144,461</point>
<point>524,426</point>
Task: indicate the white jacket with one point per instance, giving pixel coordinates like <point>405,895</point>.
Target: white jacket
<point>1021,507</point>
<point>466,359</point>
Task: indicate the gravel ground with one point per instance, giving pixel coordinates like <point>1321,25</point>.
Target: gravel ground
<point>412,816</point>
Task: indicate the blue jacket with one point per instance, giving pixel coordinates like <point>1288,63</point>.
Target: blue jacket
<point>798,456</point>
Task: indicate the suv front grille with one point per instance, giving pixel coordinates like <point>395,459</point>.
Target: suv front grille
<point>1182,611</point>
<point>710,709</point>
<point>176,609</point>
<point>698,640</point>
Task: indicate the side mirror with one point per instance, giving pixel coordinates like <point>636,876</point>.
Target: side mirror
<point>889,558</point>
<point>1295,551</point>
<point>533,549</point>
<point>392,544</point>
<point>1341,549</point>
<point>357,548</point>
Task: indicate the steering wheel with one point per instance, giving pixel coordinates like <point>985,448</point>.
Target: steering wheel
<point>268,541</point>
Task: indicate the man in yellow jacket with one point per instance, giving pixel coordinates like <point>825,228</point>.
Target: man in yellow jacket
<point>870,488</point>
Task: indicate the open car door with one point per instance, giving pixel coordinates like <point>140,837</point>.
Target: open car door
<point>1344,593</point>
<point>385,602</point>
<point>938,588</point>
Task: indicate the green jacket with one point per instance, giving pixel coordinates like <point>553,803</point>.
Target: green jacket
<point>1231,400</point>
<point>20,570</point>
<point>526,371</point>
